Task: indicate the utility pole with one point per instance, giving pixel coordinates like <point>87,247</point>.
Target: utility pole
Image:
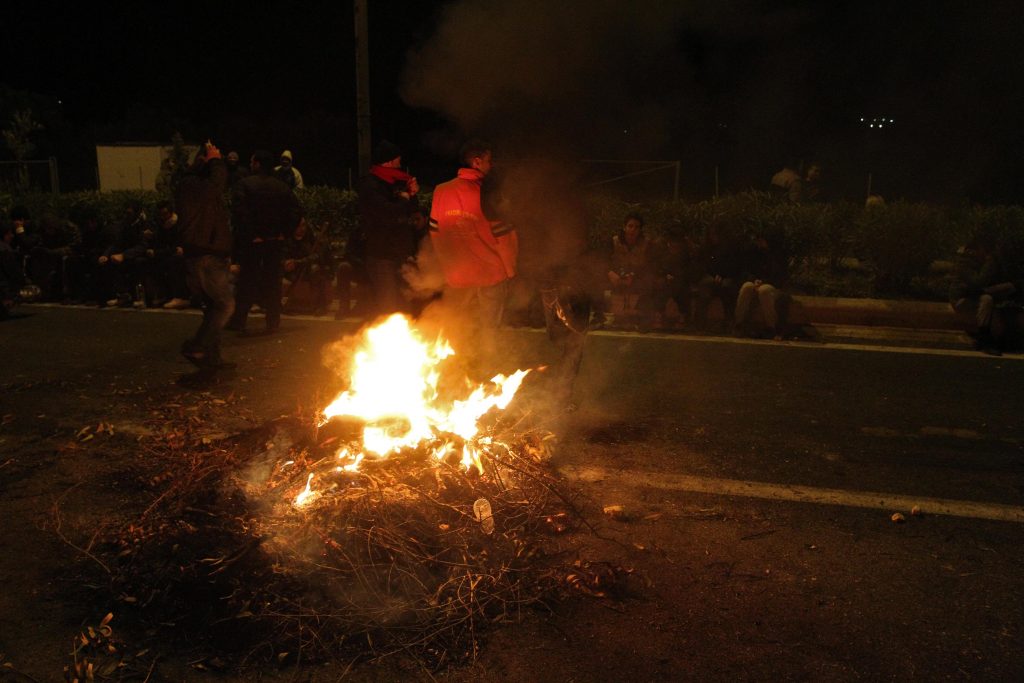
<point>362,85</point>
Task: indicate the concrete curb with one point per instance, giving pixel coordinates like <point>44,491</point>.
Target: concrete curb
<point>926,315</point>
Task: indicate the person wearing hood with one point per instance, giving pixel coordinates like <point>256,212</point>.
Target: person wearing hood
<point>287,173</point>
<point>387,205</point>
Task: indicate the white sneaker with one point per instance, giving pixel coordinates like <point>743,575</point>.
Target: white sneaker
<point>177,304</point>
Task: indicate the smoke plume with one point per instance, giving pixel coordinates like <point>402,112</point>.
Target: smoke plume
<point>559,71</point>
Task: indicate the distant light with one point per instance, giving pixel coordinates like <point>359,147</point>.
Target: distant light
<point>60,101</point>
<point>862,119</point>
<point>872,125</point>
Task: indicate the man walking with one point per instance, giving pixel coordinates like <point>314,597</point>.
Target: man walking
<point>206,244</point>
<point>264,212</point>
<point>477,255</point>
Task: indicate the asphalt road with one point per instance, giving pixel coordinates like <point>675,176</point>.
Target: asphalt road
<point>760,478</point>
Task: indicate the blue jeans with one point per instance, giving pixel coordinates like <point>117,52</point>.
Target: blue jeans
<point>209,277</point>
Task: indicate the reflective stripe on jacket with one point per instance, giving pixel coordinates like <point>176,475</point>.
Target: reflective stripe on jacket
<point>473,251</point>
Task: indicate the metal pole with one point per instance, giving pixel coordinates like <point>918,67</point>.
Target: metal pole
<point>675,192</point>
<point>869,184</point>
<point>362,85</point>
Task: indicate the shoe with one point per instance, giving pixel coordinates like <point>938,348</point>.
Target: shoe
<point>177,304</point>
<point>111,302</point>
<point>196,358</point>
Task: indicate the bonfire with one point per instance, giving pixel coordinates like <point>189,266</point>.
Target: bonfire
<point>409,515</point>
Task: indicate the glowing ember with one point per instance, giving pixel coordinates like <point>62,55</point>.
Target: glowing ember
<point>394,392</point>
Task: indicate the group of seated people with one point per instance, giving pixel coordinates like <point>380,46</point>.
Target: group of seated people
<point>745,273</point>
<point>640,282</point>
<point>77,260</point>
<point>140,262</point>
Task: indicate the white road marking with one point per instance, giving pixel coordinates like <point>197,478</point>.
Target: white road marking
<point>827,346</point>
<point>890,502</point>
<point>952,432</point>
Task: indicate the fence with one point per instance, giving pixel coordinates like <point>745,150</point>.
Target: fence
<point>30,174</point>
<point>637,177</point>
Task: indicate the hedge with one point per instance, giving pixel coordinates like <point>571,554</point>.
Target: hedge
<point>896,243</point>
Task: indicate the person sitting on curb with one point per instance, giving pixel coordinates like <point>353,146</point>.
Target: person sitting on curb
<point>986,281</point>
<point>122,265</point>
<point>720,260</point>
<point>11,275</point>
<point>675,278</point>
<point>764,278</point>
<point>630,272</point>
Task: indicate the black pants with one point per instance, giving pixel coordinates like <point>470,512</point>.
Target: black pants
<point>724,289</point>
<point>166,277</point>
<point>259,281</point>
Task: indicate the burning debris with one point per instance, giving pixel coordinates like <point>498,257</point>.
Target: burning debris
<point>407,517</point>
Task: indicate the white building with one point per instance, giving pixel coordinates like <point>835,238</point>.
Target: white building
<point>132,165</point>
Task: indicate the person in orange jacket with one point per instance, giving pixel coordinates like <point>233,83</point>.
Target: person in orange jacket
<point>477,255</point>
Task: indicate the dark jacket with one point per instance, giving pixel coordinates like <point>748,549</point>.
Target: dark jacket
<point>263,207</point>
<point>721,257</point>
<point>91,241</point>
<point>202,215</point>
<point>766,263</point>
<point>385,219</point>
<point>166,240</point>
<point>130,240</point>
<point>305,252</point>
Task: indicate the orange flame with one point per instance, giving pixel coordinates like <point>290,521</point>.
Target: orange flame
<point>394,392</point>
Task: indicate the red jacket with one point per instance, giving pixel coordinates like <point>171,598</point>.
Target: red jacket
<point>473,251</point>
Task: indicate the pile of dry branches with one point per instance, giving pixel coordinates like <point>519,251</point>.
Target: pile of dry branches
<point>393,558</point>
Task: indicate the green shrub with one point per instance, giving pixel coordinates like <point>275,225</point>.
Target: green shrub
<point>898,242</point>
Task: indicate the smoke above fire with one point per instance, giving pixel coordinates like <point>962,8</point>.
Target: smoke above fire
<point>559,71</point>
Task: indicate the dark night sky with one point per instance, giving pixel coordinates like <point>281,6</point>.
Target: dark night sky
<point>742,84</point>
